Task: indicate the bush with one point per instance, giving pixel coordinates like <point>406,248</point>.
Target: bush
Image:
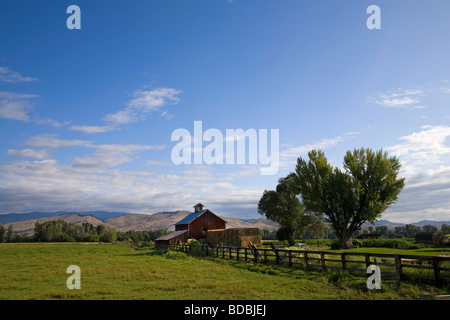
<point>338,278</point>
<point>175,255</point>
<point>196,248</point>
<point>335,245</point>
<point>391,243</point>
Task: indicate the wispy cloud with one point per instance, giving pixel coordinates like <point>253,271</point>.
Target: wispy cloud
<point>29,153</point>
<point>112,155</point>
<point>423,148</point>
<point>288,156</point>
<point>401,98</point>
<point>92,129</point>
<point>19,106</point>
<point>52,141</point>
<point>144,103</point>
<point>16,106</point>
<point>7,75</point>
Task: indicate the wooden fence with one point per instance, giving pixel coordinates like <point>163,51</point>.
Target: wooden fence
<point>395,266</point>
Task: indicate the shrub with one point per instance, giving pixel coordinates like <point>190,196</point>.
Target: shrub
<point>175,255</point>
<point>335,245</point>
<point>337,278</point>
<point>391,243</point>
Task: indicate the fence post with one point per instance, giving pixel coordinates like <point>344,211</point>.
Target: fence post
<point>237,253</point>
<point>229,251</point>
<point>367,256</point>
<point>277,256</point>
<point>322,260</point>
<point>306,258</point>
<point>398,270</point>
<point>290,258</point>
<point>344,261</point>
<point>245,252</point>
<point>437,271</point>
<point>265,255</point>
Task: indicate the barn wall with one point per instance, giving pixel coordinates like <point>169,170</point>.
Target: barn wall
<point>179,227</point>
<point>207,220</point>
<point>164,244</point>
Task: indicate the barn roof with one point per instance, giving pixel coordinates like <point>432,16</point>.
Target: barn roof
<point>194,215</point>
<point>171,235</point>
<point>190,217</point>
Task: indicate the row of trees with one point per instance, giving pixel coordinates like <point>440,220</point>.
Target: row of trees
<point>62,231</point>
<point>323,231</point>
<point>346,197</point>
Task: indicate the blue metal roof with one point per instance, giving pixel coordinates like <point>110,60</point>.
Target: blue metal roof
<point>190,217</point>
<point>171,235</point>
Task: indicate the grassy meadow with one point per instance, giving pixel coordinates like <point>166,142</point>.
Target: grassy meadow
<point>38,271</point>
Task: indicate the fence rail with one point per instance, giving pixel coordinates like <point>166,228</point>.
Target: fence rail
<point>398,266</point>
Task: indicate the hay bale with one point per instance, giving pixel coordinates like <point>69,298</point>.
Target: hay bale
<point>238,237</point>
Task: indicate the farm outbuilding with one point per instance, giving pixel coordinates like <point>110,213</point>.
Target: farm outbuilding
<point>202,224</point>
<point>177,237</point>
<point>193,226</point>
<point>434,238</point>
<point>199,222</point>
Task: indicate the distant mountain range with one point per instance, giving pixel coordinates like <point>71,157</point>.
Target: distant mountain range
<point>392,225</point>
<point>24,222</point>
<point>123,221</point>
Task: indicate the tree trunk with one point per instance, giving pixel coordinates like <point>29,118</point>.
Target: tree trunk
<point>290,237</point>
<point>343,240</point>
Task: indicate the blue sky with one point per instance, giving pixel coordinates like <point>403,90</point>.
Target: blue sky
<point>86,116</point>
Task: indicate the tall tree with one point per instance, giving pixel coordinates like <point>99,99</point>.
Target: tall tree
<point>2,234</point>
<point>283,206</point>
<point>9,234</point>
<point>359,192</point>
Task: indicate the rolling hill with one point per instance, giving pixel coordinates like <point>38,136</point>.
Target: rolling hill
<point>125,221</point>
<point>24,222</point>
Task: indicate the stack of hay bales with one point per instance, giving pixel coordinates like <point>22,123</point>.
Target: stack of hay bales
<point>238,237</point>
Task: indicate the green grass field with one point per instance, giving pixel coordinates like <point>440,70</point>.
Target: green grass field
<point>38,271</point>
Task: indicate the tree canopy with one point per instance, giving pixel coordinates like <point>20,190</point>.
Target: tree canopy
<point>359,192</point>
<point>283,206</point>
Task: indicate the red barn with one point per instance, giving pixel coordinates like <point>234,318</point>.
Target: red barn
<point>199,222</point>
<point>193,226</point>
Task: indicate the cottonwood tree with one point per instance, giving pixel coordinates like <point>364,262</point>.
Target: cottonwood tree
<point>283,206</point>
<point>359,192</point>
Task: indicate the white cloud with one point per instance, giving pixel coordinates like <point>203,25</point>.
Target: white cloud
<point>424,156</point>
<point>288,157</point>
<point>144,103</point>
<point>50,185</point>
<point>92,129</point>
<point>445,89</point>
<point>29,153</point>
<point>7,75</point>
<point>50,122</point>
<point>16,106</point>
<point>402,98</point>
<point>51,141</point>
<point>111,155</point>
<point>424,148</point>
<point>425,196</point>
